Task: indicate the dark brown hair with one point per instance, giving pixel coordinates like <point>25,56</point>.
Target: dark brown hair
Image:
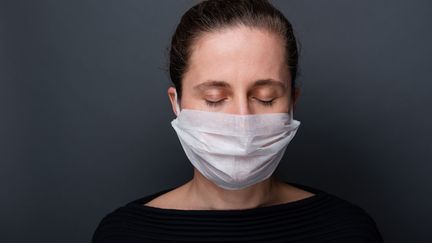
<point>211,15</point>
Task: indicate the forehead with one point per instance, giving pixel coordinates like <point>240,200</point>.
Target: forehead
<point>237,55</point>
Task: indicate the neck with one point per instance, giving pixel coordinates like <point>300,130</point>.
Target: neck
<point>207,195</point>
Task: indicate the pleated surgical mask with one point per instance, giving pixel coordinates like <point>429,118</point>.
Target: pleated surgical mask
<point>234,151</point>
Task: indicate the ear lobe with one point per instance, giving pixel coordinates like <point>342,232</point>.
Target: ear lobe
<point>172,97</point>
<point>297,92</point>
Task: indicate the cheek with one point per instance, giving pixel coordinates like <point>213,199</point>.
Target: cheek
<point>285,107</point>
<point>190,101</point>
<point>282,104</point>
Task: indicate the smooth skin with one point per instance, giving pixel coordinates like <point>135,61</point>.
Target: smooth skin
<point>236,70</point>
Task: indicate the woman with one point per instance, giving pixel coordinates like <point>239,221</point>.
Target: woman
<point>233,65</point>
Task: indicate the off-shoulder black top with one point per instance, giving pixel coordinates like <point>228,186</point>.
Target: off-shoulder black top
<point>322,217</point>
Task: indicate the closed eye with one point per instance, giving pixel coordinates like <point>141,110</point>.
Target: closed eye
<point>267,102</point>
<point>214,103</point>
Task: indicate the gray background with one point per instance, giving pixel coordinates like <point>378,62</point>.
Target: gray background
<point>85,119</point>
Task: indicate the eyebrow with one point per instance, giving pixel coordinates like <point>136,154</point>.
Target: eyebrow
<point>269,82</point>
<point>211,84</point>
<point>222,84</point>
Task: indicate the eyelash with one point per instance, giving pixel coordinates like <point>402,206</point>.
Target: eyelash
<point>267,103</point>
<point>217,103</point>
<point>213,103</point>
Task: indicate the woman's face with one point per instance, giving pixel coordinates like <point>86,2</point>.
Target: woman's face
<point>237,70</point>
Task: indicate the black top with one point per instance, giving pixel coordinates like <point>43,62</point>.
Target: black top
<point>319,218</point>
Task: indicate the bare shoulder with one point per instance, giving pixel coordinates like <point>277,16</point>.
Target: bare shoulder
<point>169,200</point>
<point>292,193</point>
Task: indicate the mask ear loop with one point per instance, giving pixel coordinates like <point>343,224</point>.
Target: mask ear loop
<point>291,113</point>
<point>177,103</point>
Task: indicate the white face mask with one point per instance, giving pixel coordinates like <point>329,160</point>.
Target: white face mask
<point>234,151</point>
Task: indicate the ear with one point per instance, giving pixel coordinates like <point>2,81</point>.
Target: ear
<point>296,96</point>
<point>171,96</point>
